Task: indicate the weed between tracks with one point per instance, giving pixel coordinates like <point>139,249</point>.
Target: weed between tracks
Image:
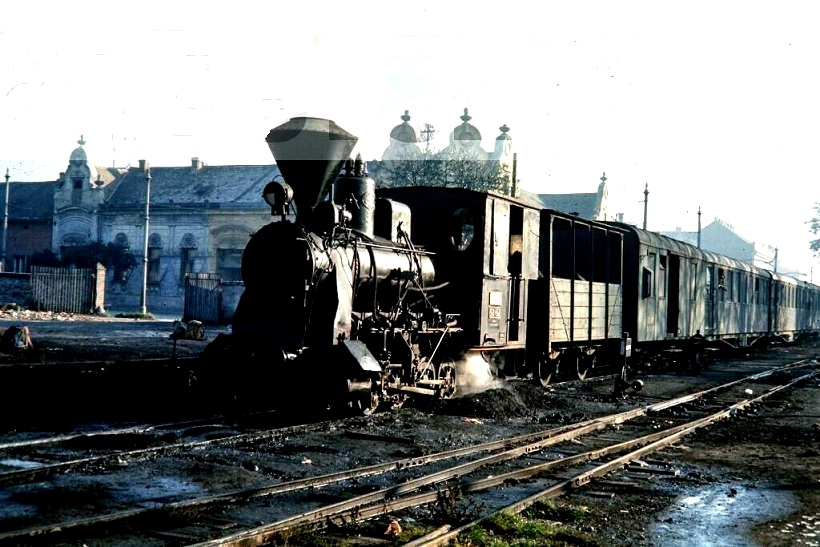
<point>546,524</point>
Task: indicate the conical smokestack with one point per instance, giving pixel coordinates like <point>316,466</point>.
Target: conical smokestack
<point>309,153</point>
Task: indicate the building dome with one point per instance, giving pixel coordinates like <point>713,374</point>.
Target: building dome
<point>403,142</point>
<point>466,131</point>
<point>79,159</point>
<point>78,156</point>
<point>404,132</point>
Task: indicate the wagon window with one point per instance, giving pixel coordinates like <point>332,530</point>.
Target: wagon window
<point>662,277</point>
<point>615,246</point>
<point>599,255</point>
<point>562,249</point>
<point>462,229</point>
<point>721,295</point>
<point>516,247</point>
<point>709,284</point>
<point>744,288</point>
<point>647,283</point>
<point>583,248</point>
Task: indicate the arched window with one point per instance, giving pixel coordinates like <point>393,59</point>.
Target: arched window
<point>121,240</point>
<point>187,249</point>
<point>154,252</point>
<point>230,242</point>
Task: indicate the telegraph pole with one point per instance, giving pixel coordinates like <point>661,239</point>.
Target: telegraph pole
<point>5,225</point>
<point>144,293</point>
<point>645,204</point>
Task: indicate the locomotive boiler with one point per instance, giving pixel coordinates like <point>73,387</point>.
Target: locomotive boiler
<point>336,297</point>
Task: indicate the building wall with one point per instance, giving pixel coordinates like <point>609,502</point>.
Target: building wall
<point>24,240</point>
<point>721,239</point>
<point>15,288</point>
<point>200,235</point>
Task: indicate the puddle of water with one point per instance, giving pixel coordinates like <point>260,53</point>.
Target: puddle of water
<point>20,464</point>
<point>718,516</point>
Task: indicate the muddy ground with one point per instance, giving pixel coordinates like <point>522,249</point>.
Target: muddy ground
<point>73,337</point>
<point>748,481</point>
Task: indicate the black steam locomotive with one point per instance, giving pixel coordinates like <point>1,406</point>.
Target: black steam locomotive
<point>365,297</point>
<point>336,294</point>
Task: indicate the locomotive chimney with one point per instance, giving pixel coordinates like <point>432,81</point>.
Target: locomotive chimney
<point>309,153</point>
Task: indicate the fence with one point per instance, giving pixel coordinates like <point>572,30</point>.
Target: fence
<point>68,289</point>
<point>203,297</point>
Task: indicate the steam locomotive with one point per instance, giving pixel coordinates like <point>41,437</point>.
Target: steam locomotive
<point>336,294</point>
<point>358,297</point>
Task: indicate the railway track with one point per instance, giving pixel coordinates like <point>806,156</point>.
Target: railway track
<point>383,485</point>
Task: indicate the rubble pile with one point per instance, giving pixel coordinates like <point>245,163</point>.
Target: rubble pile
<point>15,312</point>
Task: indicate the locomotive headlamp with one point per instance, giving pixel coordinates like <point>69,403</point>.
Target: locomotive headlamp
<point>278,194</point>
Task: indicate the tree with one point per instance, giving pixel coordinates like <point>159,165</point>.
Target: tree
<point>114,257</point>
<point>457,167</point>
<point>814,226</point>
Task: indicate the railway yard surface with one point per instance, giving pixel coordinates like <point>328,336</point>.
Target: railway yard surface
<point>743,468</point>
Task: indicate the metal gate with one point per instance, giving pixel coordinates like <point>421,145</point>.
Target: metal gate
<point>203,297</point>
<point>64,289</point>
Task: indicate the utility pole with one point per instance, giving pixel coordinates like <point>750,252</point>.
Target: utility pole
<point>144,293</point>
<point>514,188</point>
<point>698,226</point>
<point>645,204</point>
<point>5,225</point>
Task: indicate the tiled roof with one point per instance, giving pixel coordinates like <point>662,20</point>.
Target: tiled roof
<point>582,205</point>
<point>687,237</point>
<point>29,201</point>
<point>230,186</point>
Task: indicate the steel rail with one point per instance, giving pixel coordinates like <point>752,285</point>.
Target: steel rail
<point>326,479</point>
<point>346,507</point>
<point>541,439</point>
<point>138,429</point>
<point>45,470</point>
<point>670,437</point>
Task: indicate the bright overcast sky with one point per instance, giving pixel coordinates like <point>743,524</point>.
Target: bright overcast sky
<point>713,104</point>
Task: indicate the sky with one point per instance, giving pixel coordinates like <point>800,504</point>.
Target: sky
<point>713,105</point>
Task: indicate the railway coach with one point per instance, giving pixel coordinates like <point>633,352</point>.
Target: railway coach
<point>679,299</point>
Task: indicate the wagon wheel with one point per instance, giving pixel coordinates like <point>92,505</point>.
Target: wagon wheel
<point>447,373</point>
<point>547,370</point>
<point>425,370</point>
<point>584,363</point>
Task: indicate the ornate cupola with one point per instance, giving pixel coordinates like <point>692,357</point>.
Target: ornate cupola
<point>404,141</point>
<point>466,131</point>
<point>79,174</point>
<point>465,142</point>
<point>404,132</point>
